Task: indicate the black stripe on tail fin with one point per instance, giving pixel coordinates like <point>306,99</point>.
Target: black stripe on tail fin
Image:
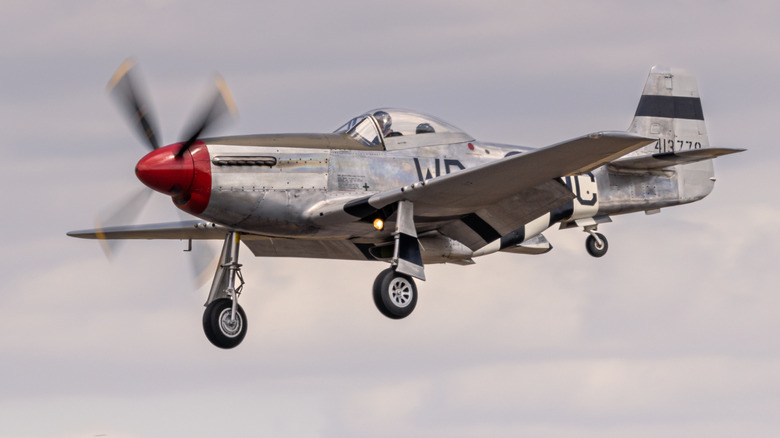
<point>673,107</point>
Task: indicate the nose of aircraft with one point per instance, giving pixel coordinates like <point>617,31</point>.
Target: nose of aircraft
<point>163,171</point>
<point>187,179</point>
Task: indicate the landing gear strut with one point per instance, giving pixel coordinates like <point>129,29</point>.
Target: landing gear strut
<point>224,321</point>
<point>395,294</point>
<point>596,244</point>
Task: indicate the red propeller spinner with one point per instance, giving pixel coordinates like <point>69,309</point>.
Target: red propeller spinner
<point>186,177</point>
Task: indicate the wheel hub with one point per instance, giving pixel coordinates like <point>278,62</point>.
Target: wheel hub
<point>230,326</point>
<point>400,292</point>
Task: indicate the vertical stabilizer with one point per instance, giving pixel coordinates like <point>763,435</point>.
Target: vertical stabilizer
<point>670,110</point>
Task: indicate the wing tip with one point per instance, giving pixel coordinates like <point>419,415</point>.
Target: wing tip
<point>83,234</point>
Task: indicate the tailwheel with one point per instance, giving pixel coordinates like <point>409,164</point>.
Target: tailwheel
<point>596,244</point>
<point>223,326</point>
<point>395,294</point>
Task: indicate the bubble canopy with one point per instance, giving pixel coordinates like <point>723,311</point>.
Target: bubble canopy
<point>392,128</point>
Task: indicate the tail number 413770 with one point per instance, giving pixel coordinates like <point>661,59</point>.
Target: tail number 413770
<point>664,145</point>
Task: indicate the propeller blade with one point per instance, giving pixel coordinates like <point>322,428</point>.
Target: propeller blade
<point>124,214</point>
<point>222,104</point>
<point>125,89</point>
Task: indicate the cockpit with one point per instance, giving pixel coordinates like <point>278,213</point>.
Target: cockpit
<point>392,129</point>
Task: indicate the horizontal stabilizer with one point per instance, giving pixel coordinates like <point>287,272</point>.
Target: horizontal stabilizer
<point>669,159</point>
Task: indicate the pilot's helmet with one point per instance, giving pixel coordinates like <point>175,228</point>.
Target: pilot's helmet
<point>424,128</point>
<point>384,121</point>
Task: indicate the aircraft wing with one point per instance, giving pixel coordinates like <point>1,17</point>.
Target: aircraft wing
<point>471,189</point>
<point>259,245</point>
<point>184,230</point>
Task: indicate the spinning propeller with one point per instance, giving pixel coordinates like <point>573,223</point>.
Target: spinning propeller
<point>165,169</point>
<point>124,87</point>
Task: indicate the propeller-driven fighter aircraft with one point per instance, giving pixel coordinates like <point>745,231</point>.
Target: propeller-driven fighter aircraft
<point>409,189</point>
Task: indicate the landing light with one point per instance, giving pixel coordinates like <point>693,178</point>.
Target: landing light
<point>379,224</point>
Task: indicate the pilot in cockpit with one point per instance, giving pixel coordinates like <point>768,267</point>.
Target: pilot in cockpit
<point>424,128</point>
<point>385,123</point>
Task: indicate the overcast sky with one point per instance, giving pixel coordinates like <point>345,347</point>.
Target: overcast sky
<point>672,333</point>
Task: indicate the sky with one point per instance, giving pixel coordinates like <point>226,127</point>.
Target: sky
<point>672,333</point>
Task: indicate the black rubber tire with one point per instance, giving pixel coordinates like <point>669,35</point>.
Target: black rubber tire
<point>220,335</point>
<point>594,248</point>
<point>377,292</point>
<point>395,295</point>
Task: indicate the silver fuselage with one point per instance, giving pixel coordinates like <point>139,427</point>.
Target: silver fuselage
<point>279,200</point>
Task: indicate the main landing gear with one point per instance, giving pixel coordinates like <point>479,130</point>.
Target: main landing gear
<point>596,243</point>
<point>224,321</point>
<point>395,294</point>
